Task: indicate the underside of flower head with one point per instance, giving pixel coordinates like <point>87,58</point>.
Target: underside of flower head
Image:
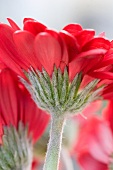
<point>57,94</point>
<point>73,51</point>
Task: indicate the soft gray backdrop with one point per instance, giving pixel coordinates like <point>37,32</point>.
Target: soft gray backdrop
<point>97,14</point>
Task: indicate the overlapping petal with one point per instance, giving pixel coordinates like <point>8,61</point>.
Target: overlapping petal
<point>87,162</point>
<point>33,26</point>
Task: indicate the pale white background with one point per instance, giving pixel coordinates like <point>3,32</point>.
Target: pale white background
<point>97,14</point>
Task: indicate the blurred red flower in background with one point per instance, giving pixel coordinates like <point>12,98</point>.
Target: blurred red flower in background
<point>16,105</point>
<point>89,112</point>
<point>108,113</point>
<point>94,148</point>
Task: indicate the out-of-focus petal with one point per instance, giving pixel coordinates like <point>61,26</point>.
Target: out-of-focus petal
<point>99,146</point>
<point>108,113</point>
<point>92,139</point>
<point>87,162</point>
<point>88,112</point>
<point>102,34</point>
<point>8,97</point>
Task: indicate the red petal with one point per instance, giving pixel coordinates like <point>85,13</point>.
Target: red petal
<point>1,127</point>
<point>84,63</point>
<point>16,105</point>
<point>108,113</point>
<point>25,45</point>
<point>88,112</point>
<point>71,43</point>
<point>92,139</point>
<point>34,27</point>
<point>28,19</point>
<point>30,114</point>
<point>8,97</point>
<point>48,51</point>
<point>106,62</point>
<point>85,36</point>
<point>8,52</point>
<point>74,29</point>
<point>101,75</point>
<point>107,92</point>
<point>108,95</point>
<point>99,147</point>
<point>98,42</point>
<point>64,60</point>
<point>91,53</point>
<point>13,24</point>
<point>89,163</point>
<point>75,67</point>
<point>2,66</point>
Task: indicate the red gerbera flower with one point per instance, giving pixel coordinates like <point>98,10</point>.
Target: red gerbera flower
<point>73,48</point>
<point>94,149</point>
<point>16,105</point>
<point>39,47</point>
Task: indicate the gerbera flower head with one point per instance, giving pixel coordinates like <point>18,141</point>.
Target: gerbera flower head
<point>58,64</point>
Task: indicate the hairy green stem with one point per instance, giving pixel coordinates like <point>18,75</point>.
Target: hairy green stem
<point>54,146</point>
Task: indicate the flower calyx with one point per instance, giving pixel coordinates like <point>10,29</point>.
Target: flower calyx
<point>56,94</point>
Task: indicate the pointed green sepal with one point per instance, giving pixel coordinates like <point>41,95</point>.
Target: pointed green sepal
<point>56,94</point>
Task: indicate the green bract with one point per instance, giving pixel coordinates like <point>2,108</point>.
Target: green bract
<point>57,94</point>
